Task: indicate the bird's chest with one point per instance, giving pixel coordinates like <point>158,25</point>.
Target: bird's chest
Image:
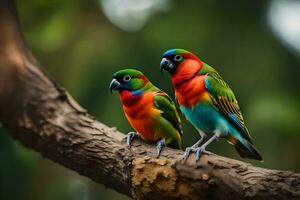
<point>138,107</point>
<point>141,115</point>
<point>192,92</point>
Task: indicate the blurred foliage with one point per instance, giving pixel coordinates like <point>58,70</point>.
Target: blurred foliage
<point>80,48</point>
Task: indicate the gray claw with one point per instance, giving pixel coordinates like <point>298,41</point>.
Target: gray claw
<point>130,136</point>
<point>187,153</point>
<point>199,152</point>
<point>159,147</point>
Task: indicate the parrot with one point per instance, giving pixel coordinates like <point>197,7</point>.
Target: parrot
<point>149,111</point>
<point>208,103</point>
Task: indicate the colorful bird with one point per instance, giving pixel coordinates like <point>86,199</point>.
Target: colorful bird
<point>150,111</point>
<point>207,102</point>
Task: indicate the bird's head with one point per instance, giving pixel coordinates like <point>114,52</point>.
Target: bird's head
<point>128,80</point>
<point>179,61</point>
<point>181,64</point>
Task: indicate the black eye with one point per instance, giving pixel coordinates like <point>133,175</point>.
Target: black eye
<point>178,58</point>
<point>126,78</point>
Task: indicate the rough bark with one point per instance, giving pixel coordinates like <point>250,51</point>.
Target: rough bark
<point>43,117</point>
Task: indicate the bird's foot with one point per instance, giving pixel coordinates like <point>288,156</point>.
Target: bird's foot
<point>160,145</point>
<point>197,150</point>
<point>129,138</point>
<point>187,152</point>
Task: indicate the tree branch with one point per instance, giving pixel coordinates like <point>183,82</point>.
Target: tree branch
<point>43,117</point>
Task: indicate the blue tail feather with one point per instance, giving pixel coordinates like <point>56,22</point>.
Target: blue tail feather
<point>247,150</point>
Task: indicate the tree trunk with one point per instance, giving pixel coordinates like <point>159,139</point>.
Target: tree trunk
<point>42,116</point>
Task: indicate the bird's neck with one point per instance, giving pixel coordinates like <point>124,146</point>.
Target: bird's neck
<point>186,71</point>
<point>130,98</point>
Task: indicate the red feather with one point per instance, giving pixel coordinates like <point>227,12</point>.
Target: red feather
<point>140,112</point>
<point>189,85</point>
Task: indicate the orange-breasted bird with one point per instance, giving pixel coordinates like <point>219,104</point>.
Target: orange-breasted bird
<point>150,111</point>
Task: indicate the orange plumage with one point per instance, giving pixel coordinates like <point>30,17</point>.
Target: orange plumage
<point>141,113</point>
<point>150,111</point>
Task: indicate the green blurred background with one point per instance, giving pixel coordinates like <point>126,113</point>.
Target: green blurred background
<point>255,45</point>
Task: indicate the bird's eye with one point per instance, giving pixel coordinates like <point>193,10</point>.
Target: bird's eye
<point>126,78</point>
<point>178,58</point>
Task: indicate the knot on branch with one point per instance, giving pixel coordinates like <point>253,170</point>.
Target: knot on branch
<point>152,174</point>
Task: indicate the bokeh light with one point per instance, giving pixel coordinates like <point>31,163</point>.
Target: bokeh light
<point>284,18</point>
<point>132,15</point>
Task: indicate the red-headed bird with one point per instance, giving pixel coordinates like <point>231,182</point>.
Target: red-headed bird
<point>150,111</point>
<point>207,102</point>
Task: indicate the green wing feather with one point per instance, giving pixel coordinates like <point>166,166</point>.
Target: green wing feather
<point>168,109</point>
<point>224,99</point>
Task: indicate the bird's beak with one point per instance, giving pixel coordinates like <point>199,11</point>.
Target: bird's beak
<point>114,85</point>
<point>167,65</point>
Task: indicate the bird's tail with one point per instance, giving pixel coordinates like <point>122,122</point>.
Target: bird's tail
<point>176,143</point>
<point>246,149</point>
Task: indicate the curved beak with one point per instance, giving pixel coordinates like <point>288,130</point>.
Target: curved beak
<point>114,85</point>
<point>167,65</point>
